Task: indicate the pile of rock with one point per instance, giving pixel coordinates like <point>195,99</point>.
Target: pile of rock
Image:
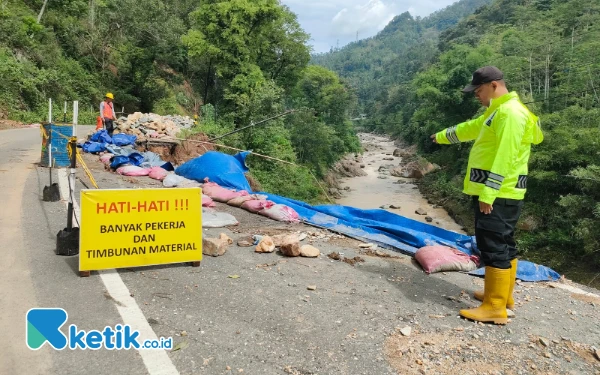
<point>289,244</point>
<point>350,167</point>
<point>151,125</point>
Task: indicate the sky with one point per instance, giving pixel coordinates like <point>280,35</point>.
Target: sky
<point>330,21</point>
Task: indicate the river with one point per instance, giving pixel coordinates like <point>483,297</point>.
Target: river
<point>378,188</point>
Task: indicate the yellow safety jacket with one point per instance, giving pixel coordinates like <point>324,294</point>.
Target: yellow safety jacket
<point>498,160</point>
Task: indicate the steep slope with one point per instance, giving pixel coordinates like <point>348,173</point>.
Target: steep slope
<point>373,66</point>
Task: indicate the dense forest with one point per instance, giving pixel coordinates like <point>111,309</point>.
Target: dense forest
<point>550,53</point>
<point>233,63</point>
<point>372,66</point>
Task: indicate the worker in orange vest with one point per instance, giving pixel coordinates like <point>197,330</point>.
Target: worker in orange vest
<point>107,112</point>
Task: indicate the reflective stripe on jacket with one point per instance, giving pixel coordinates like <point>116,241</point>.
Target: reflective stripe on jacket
<point>498,160</point>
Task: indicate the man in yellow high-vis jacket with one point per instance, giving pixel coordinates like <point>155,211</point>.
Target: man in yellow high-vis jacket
<point>497,180</point>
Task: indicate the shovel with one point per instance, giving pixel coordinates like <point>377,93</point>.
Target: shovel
<point>51,193</point>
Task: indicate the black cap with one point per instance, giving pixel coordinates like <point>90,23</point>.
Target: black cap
<point>484,75</point>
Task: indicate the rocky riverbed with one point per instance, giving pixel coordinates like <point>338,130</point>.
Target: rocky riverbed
<point>383,185</point>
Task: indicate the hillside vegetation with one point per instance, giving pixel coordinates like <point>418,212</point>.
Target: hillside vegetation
<point>233,63</point>
<point>550,53</point>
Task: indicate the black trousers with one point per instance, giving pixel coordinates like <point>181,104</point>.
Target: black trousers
<point>495,233</point>
<point>109,126</point>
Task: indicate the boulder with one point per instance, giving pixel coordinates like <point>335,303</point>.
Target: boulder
<point>216,246</point>
<point>309,251</point>
<point>265,245</point>
<point>278,239</point>
<point>290,245</point>
<point>414,170</point>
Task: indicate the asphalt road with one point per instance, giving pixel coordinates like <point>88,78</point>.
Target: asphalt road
<point>32,275</point>
<point>245,312</point>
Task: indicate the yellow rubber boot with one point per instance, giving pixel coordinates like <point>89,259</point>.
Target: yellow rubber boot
<point>493,307</point>
<point>510,302</point>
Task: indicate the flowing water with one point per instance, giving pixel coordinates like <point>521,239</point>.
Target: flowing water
<point>378,188</point>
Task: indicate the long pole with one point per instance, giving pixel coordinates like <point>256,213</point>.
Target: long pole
<point>49,141</point>
<point>75,117</point>
<point>73,148</point>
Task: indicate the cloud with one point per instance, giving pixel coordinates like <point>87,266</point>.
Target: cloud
<point>368,18</point>
<point>332,21</point>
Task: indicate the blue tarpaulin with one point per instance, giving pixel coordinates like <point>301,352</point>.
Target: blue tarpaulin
<point>123,139</point>
<point>384,228</point>
<point>397,232</point>
<point>120,146</point>
<point>101,136</point>
<point>93,147</point>
<point>118,161</point>
<point>120,139</point>
<point>528,271</point>
<point>225,170</point>
<point>136,158</point>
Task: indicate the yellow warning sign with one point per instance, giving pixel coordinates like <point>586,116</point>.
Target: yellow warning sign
<point>139,227</point>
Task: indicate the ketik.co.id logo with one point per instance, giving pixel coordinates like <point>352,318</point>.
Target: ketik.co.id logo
<point>43,325</point>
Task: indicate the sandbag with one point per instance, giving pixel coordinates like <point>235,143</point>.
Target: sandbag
<point>123,139</point>
<point>256,205</point>
<point>172,180</point>
<point>207,201</point>
<point>214,219</point>
<point>238,201</point>
<point>226,170</point>
<point>158,173</point>
<point>281,212</point>
<point>220,194</point>
<point>439,258</point>
<point>93,147</point>
<point>132,170</point>
<point>105,159</point>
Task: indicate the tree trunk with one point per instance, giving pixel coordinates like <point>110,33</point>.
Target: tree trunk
<point>530,77</point>
<point>92,14</point>
<point>42,11</point>
<point>207,82</point>
<point>592,82</point>
<point>547,78</point>
<point>570,64</point>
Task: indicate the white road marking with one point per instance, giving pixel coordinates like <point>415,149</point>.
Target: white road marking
<point>157,362</point>
<point>572,289</point>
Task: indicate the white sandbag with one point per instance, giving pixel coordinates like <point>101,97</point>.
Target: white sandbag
<point>215,219</point>
<point>173,180</point>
